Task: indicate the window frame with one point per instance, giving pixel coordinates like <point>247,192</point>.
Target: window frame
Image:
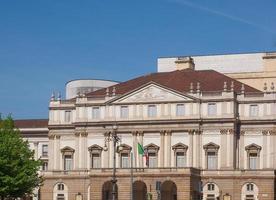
<point>212,112</point>
<point>67,116</point>
<point>44,153</point>
<point>254,112</point>
<point>177,110</point>
<point>154,113</point>
<point>124,115</point>
<point>96,115</point>
<point>95,150</point>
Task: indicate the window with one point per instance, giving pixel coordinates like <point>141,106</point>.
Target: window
<point>67,116</point>
<point>60,186</point>
<point>44,150</point>
<point>180,159</point>
<point>180,150</point>
<point>68,162</point>
<point>212,108</point>
<point>211,160</point>
<point>180,110</point>
<point>253,160</point>
<point>253,112</point>
<point>95,112</point>
<point>95,154</point>
<point>152,160</point>
<point>96,160</point>
<point>124,111</point>
<point>249,187</point>
<point>210,197</point>
<point>152,112</point>
<point>124,160</point>
<point>211,187</point>
<point>249,197</point>
<point>60,197</point>
<point>253,155</point>
<point>45,166</point>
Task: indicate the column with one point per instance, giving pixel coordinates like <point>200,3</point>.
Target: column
<point>195,158</point>
<point>232,149</point>
<point>264,149</point>
<point>163,148</point>
<point>55,152</point>
<point>200,147</point>
<point>77,152</point>
<point>36,150</point>
<point>51,152</point>
<point>242,149</point>
<point>224,145</point>
<point>190,148</point>
<point>168,148</point>
<point>84,149</point>
<point>58,166</point>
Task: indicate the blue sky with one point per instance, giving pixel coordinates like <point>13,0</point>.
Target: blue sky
<point>45,43</point>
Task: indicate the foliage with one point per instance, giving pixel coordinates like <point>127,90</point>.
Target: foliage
<point>18,168</point>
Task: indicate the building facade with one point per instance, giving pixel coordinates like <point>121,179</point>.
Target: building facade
<point>207,136</point>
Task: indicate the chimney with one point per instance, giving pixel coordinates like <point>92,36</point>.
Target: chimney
<point>270,62</point>
<point>184,63</point>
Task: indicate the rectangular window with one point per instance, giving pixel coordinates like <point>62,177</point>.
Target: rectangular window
<point>44,166</point>
<point>212,109</point>
<point>152,111</point>
<point>96,161</point>
<point>211,160</point>
<point>210,197</point>
<point>253,159</point>
<point>180,110</point>
<point>180,159</point>
<point>95,112</point>
<point>44,150</point>
<point>68,162</point>
<point>124,160</point>
<point>60,197</point>
<point>124,111</point>
<point>152,160</point>
<point>249,197</point>
<point>67,116</point>
<point>253,112</point>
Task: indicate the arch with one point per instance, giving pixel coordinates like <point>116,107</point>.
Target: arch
<point>210,190</point>
<point>249,191</point>
<point>60,191</point>
<point>168,191</point>
<point>139,190</point>
<point>107,191</point>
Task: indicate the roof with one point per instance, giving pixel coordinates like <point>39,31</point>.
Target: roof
<point>179,80</point>
<point>31,123</point>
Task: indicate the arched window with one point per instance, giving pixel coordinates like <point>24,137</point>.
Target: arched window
<point>67,155</point>
<point>211,154</point>
<point>152,155</point>
<point>210,191</point>
<point>253,156</point>
<point>180,154</point>
<point>60,192</point>
<point>95,155</point>
<point>250,191</point>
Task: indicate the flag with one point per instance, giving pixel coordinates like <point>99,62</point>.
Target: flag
<point>140,149</point>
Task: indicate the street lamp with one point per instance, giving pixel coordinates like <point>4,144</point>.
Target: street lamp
<point>112,136</point>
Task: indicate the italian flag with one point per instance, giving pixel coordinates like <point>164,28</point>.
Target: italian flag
<point>144,153</point>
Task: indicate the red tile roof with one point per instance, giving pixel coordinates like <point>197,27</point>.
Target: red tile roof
<point>180,80</point>
<point>31,123</point>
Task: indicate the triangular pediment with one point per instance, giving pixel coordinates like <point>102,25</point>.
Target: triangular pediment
<point>153,92</point>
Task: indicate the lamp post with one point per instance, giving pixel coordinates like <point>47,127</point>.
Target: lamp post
<point>112,136</point>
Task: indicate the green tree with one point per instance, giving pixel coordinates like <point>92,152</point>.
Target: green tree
<point>18,168</point>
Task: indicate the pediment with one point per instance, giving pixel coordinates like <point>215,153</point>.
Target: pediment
<point>151,146</point>
<point>67,149</point>
<point>153,93</point>
<point>95,147</point>
<point>211,145</point>
<point>179,146</point>
<point>253,146</point>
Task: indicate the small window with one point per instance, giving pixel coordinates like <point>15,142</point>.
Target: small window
<point>253,110</point>
<point>124,160</point>
<point>152,159</point>
<point>253,160</point>
<point>96,160</point>
<point>249,197</point>
<point>210,197</point>
<point>44,150</point>
<point>67,116</point>
<point>95,113</point>
<point>60,186</point>
<point>180,159</point>
<point>68,162</point>
<point>180,110</point>
<point>249,187</point>
<point>211,187</point>
<point>44,166</point>
<point>152,111</point>
<point>124,111</point>
<point>212,109</point>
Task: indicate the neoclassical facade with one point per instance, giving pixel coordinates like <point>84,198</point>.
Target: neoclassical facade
<point>207,136</point>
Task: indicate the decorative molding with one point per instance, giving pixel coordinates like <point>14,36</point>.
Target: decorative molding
<point>223,131</point>
<point>67,149</point>
<point>211,146</point>
<point>253,147</point>
<point>180,146</point>
<point>242,132</point>
<point>265,132</point>
<point>51,137</point>
<point>152,147</point>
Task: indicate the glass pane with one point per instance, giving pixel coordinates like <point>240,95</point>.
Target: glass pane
<point>95,112</point>
<point>253,110</point>
<point>152,160</point>
<point>253,162</point>
<point>152,111</point>
<point>68,162</point>
<point>124,111</point>
<point>180,159</point>
<point>212,109</point>
<point>67,116</point>
<point>211,160</point>
<point>124,160</point>
<point>96,161</point>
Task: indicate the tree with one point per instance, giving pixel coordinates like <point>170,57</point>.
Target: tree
<point>18,168</point>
